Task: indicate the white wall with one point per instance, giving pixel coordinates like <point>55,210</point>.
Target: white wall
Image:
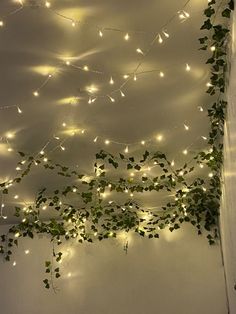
<point>178,273</point>
<point>228,210</point>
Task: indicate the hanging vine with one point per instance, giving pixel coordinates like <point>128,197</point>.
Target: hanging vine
<point>82,212</point>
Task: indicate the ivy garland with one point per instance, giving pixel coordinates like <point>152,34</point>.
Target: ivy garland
<point>197,200</point>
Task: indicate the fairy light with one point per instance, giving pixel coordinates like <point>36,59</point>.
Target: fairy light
<point>111,98</point>
<point>204,138</point>
<point>166,34</point>
<point>44,207</point>
<point>159,138</point>
<point>19,110</point>
<point>200,109</point>
<point>45,159</point>
<point>186,127</point>
<point>14,263</point>
<point>17,234</point>
<point>172,163</point>
<point>213,48</point>
<point>139,51</point>
<point>42,152</point>
<point>188,68</point>
<point>86,68</point>
<point>135,77</point>
<point>47,4</point>
<point>125,76</point>
<point>107,142</point>
<point>18,168</point>
<point>100,33</point>
<point>126,37</point>
<point>36,93</point>
<point>73,24</point>
<point>126,149</point>
<point>95,139</point>
<point>111,81</point>
<point>1,23</point>
<point>160,40</point>
<point>68,63</point>
<point>208,84</point>
<point>122,94</point>
<point>64,124</point>
<point>74,190</point>
<point>201,166</point>
<point>62,148</point>
<point>9,149</point>
<point>16,197</point>
<point>9,135</point>
<point>210,175</point>
<point>27,252</point>
<point>143,142</point>
<point>185,151</point>
<point>161,74</point>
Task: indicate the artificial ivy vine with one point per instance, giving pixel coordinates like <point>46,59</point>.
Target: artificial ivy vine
<point>196,200</point>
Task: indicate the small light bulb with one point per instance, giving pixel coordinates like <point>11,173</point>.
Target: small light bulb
<point>187,67</point>
<point>74,190</point>
<point>126,149</point>
<point>14,263</point>
<point>185,152</point>
<point>45,159</point>
<point>161,74</point>
<point>85,68</point>
<point>135,77</point>
<point>111,81</point>
<point>166,34</point>
<point>1,23</point>
<point>111,99</point>
<point>213,48</point>
<point>186,127</point>
<point>62,148</point>
<point>139,51</point>
<point>36,93</point>
<point>16,197</point>
<point>27,252</point>
<point>143,142</point>
<point>9,149</point>
<point>47,4</point>
<point>67,62</point>
<point>64,124</point>
<point>208,84</point>
<point>44,207</point>
<point>204,138</point>
<point>200,109</point>
<point>172,163</point>
<point>210,175</point>
<point>160,40</point>
<point>125,76</point>
<point>107,142</point>
<point>17,234</point>
<point>126,37</point>
<point>100,33</point>
<point>19,110</point>
<point>122,94</point>
<point>73,23</point>
<point>159,138</point>
<point>95,139</point>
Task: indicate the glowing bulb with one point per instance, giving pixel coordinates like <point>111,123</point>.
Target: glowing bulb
<point>161,74</point>
<point>186,127</point>
<point>122,94</point>
<point>139,51</point>
<point>62,148</point>
<point>187,67</point>
<point>44,207</point>
<point>126,37</point>
<point>135,77</point>
<point>159,138</point>
<point>107,142</point>
<point>1,23</point>
<point>19,110</point>
<point>18,168</point>
<point>9,135</point>
<point>85,68</point>
<point>209,84</point>
<point>204,189</point>
<point>213,48</point>
<point>204,138</point>
<point>47,4</point>
<point>172,163</point>
<point>64,124</point>
<point>9,149</point>
<point>74,190</point>
<point>185,152</point>
<point>201,165</point>
<point>143,142</point>
<point>166,34</point>
<point>160,40</point>
<point>14,263</point>
<point>36,93</point>
<point>27,252</point>
<point>111,81</point>
<point>67,62</point>
<point>73,23</point>
<point>17,234</point>
<point>16,197</point>
<point>200,109</point>
<point>126,149</point>
<point>45,159</point>
<point>95,140</point>
<point>125,76</point>
<point>210,175</point>
<point>111,99</point>
<point>100,33</point>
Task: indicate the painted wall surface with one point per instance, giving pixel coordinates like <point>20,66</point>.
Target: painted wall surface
<point>228,211</point>
<point>178,273</point>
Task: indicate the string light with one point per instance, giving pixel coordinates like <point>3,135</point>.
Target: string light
<point>111,98</point>
<point>36,93</point>
<point>107,142</point>
<point>126,37</point>
<point>1,23</point>
<point>185,151</point>
<point>186,127</point>
<point>100,33</point>
<point>126,149</point>
<point>111,81</point>
<point>187,67</point>
<point>139,51</point>
<point>122,94</point>
<point>161,74</point>
<point>47,4</point>
<point>166,34</point>
<point>160,40</point>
